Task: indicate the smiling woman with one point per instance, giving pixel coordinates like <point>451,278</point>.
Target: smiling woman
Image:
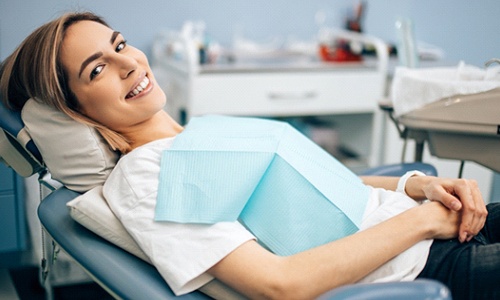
<point>78,56</point>
<point>82,67</point>
<point>112,81</point>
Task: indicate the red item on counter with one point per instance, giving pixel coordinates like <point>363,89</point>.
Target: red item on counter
<point>337,54</point>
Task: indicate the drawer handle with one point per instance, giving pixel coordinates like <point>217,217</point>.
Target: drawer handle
<point>292,95</point>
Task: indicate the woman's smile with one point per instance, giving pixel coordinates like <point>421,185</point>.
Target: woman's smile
<point>140,89</point>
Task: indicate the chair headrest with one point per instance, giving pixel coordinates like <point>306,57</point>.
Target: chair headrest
<point>75,153</point>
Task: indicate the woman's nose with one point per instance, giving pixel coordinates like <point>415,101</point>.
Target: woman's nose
<point>127,65</point>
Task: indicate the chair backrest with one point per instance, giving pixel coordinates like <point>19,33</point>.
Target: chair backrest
<point>17,149</point>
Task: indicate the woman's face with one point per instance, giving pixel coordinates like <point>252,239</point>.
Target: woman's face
<point>112,81</point>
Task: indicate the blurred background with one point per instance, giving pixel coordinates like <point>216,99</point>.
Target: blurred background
<point>464,30</point>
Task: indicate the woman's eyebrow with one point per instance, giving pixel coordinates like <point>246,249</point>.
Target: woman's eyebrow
<point>98,54</point>
<point>113,37</point>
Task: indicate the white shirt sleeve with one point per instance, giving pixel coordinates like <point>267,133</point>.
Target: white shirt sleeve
<point>182,253</point>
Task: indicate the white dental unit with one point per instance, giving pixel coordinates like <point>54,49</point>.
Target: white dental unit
<point>463,127</point>
<point>455,113</point>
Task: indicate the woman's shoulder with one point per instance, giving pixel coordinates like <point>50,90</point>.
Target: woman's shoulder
<point>136,174</point>
<point>144,158</point>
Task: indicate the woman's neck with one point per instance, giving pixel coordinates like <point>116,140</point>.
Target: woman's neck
<point>158,127</point>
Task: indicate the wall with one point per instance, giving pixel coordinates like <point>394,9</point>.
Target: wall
<point>467,30</point>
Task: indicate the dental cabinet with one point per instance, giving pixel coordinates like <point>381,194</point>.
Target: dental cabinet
<point>280,85</point>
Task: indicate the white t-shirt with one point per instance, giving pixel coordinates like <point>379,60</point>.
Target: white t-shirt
<point>183,253</point>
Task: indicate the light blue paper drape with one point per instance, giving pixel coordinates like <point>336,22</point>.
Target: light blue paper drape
<point>285,189</point>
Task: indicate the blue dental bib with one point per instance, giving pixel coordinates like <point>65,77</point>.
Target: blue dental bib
<point>290,193</point>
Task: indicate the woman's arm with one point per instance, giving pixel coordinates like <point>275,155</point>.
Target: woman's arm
<point>385,182</point>
<point>456,194</point>
<point>257,273</point>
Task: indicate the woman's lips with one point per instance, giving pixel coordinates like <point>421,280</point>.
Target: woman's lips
<point>142,87</point>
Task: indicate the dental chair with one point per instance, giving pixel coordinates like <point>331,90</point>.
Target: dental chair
<point>119,270</point>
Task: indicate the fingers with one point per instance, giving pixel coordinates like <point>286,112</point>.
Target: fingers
<point>461,195</point>
<point>443,190</point>
<point>480,212</point>
<point>451,202</point>
<point>464,192</point>
<point>473,209</point>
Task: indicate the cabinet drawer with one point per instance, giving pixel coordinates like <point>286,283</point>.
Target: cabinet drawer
<point>282,94</point>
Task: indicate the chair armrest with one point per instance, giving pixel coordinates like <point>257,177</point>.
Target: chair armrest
<point>412,290</point>
<point>401,169</point>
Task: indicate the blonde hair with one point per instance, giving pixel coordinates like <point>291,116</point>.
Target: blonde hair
<point>34,70</point>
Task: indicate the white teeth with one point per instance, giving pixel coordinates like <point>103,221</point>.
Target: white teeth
<point>140,87</point>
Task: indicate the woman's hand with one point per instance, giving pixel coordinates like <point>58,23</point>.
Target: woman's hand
<point>444,223</point>
<point>456,194</point>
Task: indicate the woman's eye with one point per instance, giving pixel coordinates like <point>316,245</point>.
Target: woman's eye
<point>96,72</point>
<point>121,46</point>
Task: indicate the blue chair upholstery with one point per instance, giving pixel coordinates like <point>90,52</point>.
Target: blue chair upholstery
<point>127,277</point>
<point>122,274</point>
<point>400,169</point>
<point>12,124</point>
<point>414,290</point>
